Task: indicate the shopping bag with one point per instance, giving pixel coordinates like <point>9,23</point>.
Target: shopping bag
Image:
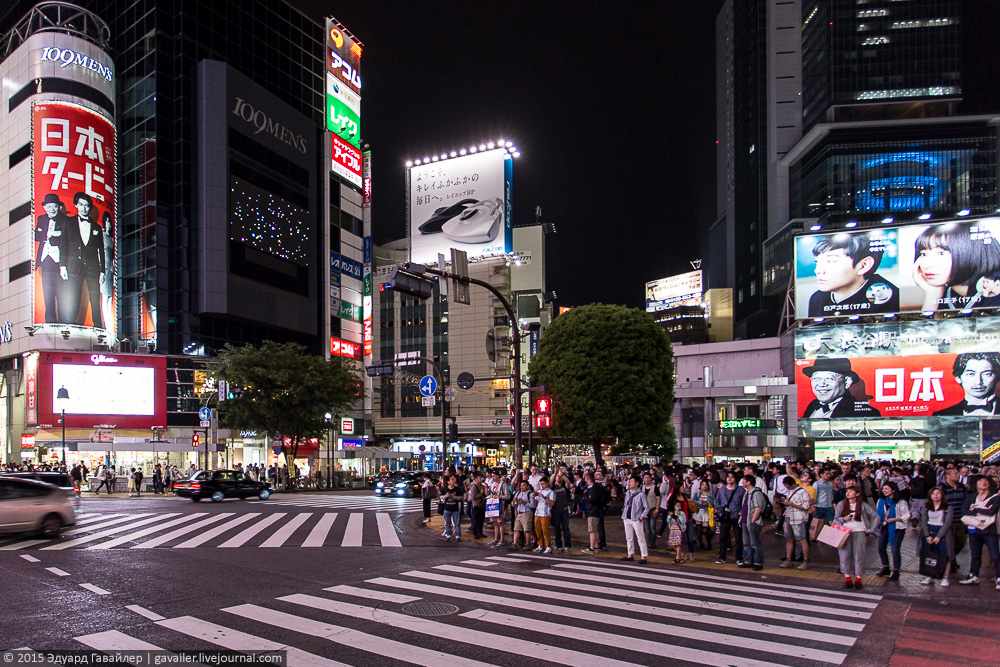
<point>815,527</point>
<point>835,536</point>
<point>492,508</point>
<point>711,517</point>
<point>932,563</point>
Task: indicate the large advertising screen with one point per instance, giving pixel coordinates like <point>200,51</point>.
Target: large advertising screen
<point>461,203</point>
<point>346,161</point>
<point>105,390</point>
<point>947,368</point>
<point>680,290</point>
<point>73,190</point>
<point>918,268</point>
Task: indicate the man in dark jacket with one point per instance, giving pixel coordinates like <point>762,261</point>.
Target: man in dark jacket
<point>477,494</point>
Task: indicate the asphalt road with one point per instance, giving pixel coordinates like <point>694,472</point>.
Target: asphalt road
<point>351,579</point>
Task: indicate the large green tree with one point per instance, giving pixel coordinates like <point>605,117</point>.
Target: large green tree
<point>284,390</point>
<point>609,370</point>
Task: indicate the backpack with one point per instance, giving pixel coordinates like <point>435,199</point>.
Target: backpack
<point>505,493</point>
<point>767,513</point>
<point>603,496</point>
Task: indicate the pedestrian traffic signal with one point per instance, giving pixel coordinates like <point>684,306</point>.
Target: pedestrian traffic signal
<point>543,405</point>
<point>512,418</point>
<point>195,439</point>
<point>543,421</point>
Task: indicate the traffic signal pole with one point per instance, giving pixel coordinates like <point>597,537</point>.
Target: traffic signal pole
<point>515,390</point>
<point>444,419</point>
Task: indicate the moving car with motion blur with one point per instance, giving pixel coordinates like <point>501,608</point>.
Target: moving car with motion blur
<point>30,506</point>
<point>401,484</point>
<point>60,479</point>
<point>221,484</point>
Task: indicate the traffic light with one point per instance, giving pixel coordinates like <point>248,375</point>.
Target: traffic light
<point>543,412</point>
<point>195,439</point>
<point>411,284</point>
<point>511,418</point>
<point>223,390</point>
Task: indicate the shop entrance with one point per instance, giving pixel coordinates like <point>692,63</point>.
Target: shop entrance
<point>876,450</point>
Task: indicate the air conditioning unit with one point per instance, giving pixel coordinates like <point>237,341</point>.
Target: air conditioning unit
<point>142,349</point>
<point>100,347</point>
<point>125,346</point>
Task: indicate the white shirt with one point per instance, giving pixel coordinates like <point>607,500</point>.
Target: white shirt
<point>542,508</point>
<point>85,229</point>
<point>49,250</point>
<point>935,517</point>
<point>533,480</point>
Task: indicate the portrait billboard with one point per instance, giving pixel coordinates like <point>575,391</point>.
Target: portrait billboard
<point>891,370</point>
<point>73,191</point>
<point>953,265</point>
<point>680,290</point>
<point>461,203</point>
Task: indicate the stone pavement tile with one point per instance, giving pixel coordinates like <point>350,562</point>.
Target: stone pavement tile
<point>947,637</point>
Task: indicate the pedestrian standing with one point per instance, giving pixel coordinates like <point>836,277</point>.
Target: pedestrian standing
<point>428,492</point>
<point>131,483</point>
<point>752,521</point>
<point>451,501</point>
<point>544,499</point>
<point>858,517</point>
<point>652,491</point>
<point>796,503</point>
<point>935,531</point>
<point>981,522</point>
<point>956,493</point>
<point>499,490</point>
<point>590,499</point>
<point>559,524</point>
<point>477,505</point>
<point>894,514</point>
<point>524,509</point>
<point>634,513</point>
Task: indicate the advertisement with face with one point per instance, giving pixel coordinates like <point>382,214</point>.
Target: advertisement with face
<point>461,203</point>
<point>953,265</point>
<point>912,369</point>
<point>73,170</point>
<point>681,290</point>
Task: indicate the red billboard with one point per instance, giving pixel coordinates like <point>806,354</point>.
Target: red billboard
<point>73,190</point>
<point>345,348</point>
<point>346,161</point>
<point>107,390</point>
<point>898,386</point>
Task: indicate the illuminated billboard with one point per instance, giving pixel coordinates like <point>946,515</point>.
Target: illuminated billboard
<point>461,203</point>
<point>106,390</point>
<point>346,160</point>
<point>946,368</point>
<point>73,190</point>
<point>343,111</point>
<point>343,55</point>
<point>918,268</point>
<point>681,290</point>
<point>343,84</point>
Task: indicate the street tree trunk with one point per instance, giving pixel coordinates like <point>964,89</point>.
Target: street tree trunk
<point>598,454</point>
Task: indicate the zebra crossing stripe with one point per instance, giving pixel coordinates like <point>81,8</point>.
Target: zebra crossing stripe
<point>99,526</point>
<point>724,637</point>
<point>317,537</point>
<point>146,531</point>
<point>344,636</point>
<point>387,531</point>
<point>23,544</point>
<point>685,591</point>
<point>369,594</point>
<point>496,641</point>
<point>218,530</point>
<point>281,535</point>
<point>353,534</point>
<point>240,641</point>
<point>180,532</point>
<point>93,517</point>
<point>248,534</point>
<point>111,531</point>
<point>113,640</point>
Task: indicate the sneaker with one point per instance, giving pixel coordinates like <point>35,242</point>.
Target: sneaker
<point>538,550</point>
<point>739,563</point>
<point>513,547</point>
<point>448,538</point>
<point>971,579</point>
<point>744,565</point>
<point>547,551</point>
<point>721,561</point>
<point>998,584</point>
<point>565,550</point>
<point>857,585</point>
<point>848,584</point>
<point>588,551</point>
<point>758,568</point>
<point>926,581</point>
<point>491,543</point>
<point>884,572</point>
<point>785,564</point>
<point>945,583</point>
<point>804,565</point>
<point>642,561</point>
<point>444,534</point>
<point>626,558</point>
<point>894,576</point>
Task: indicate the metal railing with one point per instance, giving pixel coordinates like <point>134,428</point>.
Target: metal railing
<point>62,17</point>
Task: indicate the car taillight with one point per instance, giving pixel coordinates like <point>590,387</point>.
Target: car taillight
<point>195,485</point>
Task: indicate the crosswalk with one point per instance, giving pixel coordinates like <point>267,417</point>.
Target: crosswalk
<point>507,610</point>
<point>357,503</point>
<point>223,530</point>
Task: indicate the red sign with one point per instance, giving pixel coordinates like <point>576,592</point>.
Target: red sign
<point>73,191</point>
<point>346,160</point>
<point>345,348</point>
<point>898,386</point>
<point>31,389</point>
<point>27,441</point>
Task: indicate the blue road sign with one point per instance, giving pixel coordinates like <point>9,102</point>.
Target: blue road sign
<point>205,414</point>
<point>428,385</point>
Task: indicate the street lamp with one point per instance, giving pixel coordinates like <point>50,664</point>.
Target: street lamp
<point>329,450</point>
<point>62,398</point>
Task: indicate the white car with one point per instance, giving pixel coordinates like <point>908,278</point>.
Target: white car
<point>28,506</point>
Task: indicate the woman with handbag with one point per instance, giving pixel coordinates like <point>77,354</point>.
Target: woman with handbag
<point>428,492</point>
<point>935,536</point>
<point>980,519</point>
<point>705,500</point>
<point>894,514</point>
<point>859,517</point>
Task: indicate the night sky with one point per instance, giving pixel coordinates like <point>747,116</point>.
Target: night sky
<point>612,106</point>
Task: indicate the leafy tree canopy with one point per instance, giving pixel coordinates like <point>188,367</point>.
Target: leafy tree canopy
<point>285,390</point>
<point>609,370</point>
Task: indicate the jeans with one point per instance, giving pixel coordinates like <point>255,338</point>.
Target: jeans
<point>650,525</point>
<point>883,542</point>
<point>664,522</point>
<point>451,528</point>
<point>635,531</point>
<point>976,541</point>
<point>560,529</point>
<point>751,538</point>
<point>725,527</point>
<point>959,535</point>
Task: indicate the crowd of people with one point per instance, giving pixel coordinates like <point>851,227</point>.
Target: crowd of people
<point>945,507</point>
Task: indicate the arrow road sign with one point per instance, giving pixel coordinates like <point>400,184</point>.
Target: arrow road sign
<point>428,385</point>
<point>205,414</point>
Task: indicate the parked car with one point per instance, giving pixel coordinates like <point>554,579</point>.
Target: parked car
<point>400,484</point>
<point>30,506</point>
<point>60,479</point>
<point>219,484</point>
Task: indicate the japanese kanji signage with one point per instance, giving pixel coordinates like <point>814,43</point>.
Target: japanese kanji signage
<point>463,203</point>
<point>343,85</point>
<point>343,55</point>
<point>343,111</point>
<point>73,191</point>
<point>681,290</point>
<point>346,160</point>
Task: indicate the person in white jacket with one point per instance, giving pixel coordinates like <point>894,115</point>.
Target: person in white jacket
<point>634,514</point>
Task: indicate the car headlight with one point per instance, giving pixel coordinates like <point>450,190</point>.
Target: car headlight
<point>380,485</point>
<point>401,485</point>
<point>401,491</point>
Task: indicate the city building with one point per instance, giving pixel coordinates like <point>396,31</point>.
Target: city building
<point>216,192</point>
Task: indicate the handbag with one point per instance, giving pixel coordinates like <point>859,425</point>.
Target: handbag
<point>932,563</point>
<point>711,516</point>
<point>492,508</point>
<point>979,521</point>
<point>834,535</point>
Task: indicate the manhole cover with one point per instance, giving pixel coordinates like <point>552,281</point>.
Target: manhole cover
<point>430,608</point>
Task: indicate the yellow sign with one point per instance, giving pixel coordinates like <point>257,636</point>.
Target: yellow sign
<point>500,383</point>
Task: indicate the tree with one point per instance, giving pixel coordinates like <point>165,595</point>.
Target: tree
<point>281,389</point>
<point>609,370</point>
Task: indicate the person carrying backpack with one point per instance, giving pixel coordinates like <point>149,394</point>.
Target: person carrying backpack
<point>752,520</point>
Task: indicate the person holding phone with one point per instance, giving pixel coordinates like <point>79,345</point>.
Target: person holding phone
<point>524,510</point>
<point>544,499</point>
<point>451,503</point>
